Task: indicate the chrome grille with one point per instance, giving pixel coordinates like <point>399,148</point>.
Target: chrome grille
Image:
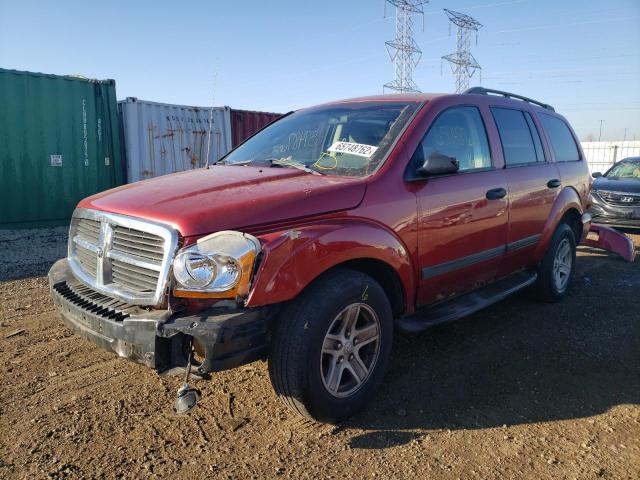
<point>88,230</point>
<point>88,260</point>
<point>123,257</point>
<point>140,244</point>
<point>620,199</point>
<point>143,248</point>
<point>135,278</point>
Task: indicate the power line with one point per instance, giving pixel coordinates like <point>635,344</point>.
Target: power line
<point>403,49</point>
<point>565,24</point>
<point>563,59</point>
<point>484,5</point>
<point>463,64</point>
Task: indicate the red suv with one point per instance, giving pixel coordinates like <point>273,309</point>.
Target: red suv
<point>319,237</point>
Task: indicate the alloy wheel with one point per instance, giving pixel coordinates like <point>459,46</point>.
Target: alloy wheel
<point>562,264</point>
<point>350,350</point>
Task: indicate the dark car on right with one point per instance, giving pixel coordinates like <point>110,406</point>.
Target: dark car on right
<point>615,195</point>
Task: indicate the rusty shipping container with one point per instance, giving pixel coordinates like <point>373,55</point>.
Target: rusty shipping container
<point>59,143</point>
<point>162,138</point>
<point>245,123</point>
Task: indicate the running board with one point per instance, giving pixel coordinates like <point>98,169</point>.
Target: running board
<point>466,304</point>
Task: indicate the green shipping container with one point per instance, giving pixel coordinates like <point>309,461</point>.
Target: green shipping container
<point>59,142</point>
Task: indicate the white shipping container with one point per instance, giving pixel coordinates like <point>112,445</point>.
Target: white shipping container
<point>161,138</point>
<point>602,155</point>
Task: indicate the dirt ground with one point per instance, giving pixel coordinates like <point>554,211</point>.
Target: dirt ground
<point>520,390</point>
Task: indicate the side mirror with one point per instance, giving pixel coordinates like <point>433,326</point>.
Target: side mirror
<point>596,174</point>
<point>438,164</point>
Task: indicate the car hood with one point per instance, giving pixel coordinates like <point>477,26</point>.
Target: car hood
<point>628,185</point>
<point>202,201</point>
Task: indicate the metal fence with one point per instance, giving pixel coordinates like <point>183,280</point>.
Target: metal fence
<point>602,155</point>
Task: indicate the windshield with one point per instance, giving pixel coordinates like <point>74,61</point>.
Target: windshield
<point>349,139</point>
<point>625,170</point>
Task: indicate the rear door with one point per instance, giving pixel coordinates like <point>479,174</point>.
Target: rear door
<point>533,183</point>
<point>462,218</point>
<point>563,144</point>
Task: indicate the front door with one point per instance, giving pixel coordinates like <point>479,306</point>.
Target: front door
<point>462,218</point>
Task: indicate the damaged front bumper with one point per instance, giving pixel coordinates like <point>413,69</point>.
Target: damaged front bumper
<point>224,338</point>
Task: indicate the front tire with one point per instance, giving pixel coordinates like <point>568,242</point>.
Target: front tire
<point>555,272</point>
<point>331,346</point>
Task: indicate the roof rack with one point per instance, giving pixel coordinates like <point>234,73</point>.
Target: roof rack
<point>487,91</point>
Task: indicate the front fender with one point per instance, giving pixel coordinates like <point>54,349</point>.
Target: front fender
<point>566,200</point>
<point>293,258</point>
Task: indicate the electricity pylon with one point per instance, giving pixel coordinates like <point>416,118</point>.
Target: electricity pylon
<point>463,65</point>
<point>403,49</point>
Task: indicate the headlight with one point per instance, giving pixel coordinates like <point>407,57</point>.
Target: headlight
<point>192,269</point>
<point>219,265</point>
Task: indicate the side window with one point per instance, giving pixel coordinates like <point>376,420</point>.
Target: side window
<point>536,137</point>
<point>562,142</point>
<point>457,132</point>
<point>516,136</point>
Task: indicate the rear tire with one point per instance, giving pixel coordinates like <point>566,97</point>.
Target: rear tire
<point>555,272</point>
<point>331,346</point>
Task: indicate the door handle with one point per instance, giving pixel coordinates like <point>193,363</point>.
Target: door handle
<point>496,193</point>
<point>553,183</point>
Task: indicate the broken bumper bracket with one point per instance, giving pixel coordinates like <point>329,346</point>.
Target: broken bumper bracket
<point>611,240</point>
<point>158,338</point>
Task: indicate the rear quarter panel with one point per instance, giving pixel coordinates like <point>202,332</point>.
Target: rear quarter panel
<point>567,199</point>
<point>576,183</point>
<point>572,174</point>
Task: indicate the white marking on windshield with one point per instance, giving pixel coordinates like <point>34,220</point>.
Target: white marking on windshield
<point>359,149</point>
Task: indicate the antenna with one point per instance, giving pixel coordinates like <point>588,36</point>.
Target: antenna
<point>213,102</point>
<point>463,65</point>
<point>403,50</point>
<point>600,134</point>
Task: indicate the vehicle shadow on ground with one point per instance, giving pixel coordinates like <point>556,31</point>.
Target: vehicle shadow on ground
<point>516,362</point>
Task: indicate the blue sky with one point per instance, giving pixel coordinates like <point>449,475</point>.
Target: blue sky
<point>583,57</point>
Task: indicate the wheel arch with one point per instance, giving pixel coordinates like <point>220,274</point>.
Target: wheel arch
<point>566,208</point>
<point>573,218</point>
<point>382,273</point>
<point>294,259</point>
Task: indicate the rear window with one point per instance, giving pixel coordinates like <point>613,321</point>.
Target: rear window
<point>562,142</point>
<point>516,136</point>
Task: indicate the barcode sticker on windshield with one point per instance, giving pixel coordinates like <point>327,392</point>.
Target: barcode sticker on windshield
<point>359,149</point>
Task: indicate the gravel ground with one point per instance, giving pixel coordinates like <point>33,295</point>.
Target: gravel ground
<point>30,252</point>
<point>519,390</point>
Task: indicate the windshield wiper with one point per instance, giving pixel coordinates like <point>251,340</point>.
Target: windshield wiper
<point>241,162</point>
<point>299,166</point>
<point>273,162</point>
